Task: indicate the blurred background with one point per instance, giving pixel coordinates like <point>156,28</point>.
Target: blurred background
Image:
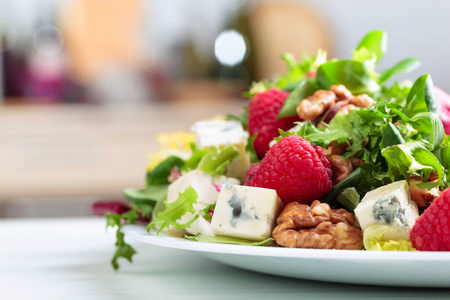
<point>86,85</point>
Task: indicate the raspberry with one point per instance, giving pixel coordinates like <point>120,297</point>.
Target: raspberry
<point>431,232</point>
<point>297,170</point>
<point>262,113</point>
<point>251,173</point>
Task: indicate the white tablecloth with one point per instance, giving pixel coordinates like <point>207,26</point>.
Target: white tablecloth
<point>69,259</point>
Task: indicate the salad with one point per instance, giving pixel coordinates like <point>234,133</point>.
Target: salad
<point>326,156</point>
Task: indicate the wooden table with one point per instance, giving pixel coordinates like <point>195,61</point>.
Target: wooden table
<point>69,259</point>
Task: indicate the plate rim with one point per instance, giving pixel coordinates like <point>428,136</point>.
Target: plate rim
<point>139,233</point>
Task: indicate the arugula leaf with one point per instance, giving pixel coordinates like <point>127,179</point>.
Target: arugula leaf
<point>405,66</point>
<point>159,174</point>
<point>228,240</point>
<point>351,73</point>
<point>250,149</point>
<point>376,42</point>
<point>397,93</point>
<point>216,161</point>
<point>358,125</point>
<point>303,90</point>
<point>176,210</point>
<point>122,249</point>
<point>421,97</point>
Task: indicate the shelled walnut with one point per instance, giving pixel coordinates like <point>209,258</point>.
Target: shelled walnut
<point>317,226</point>
<point>327,103</point>
<point>341,168</point>
<point>341,91</point>
<point>314,106</point>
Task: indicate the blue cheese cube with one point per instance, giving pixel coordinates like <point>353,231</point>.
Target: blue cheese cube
<point>221,134</point>
<point>246,212</point>
<point>389,205</point>
<point>204,185</point>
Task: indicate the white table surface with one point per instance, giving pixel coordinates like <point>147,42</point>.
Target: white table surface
<point>69,259</point>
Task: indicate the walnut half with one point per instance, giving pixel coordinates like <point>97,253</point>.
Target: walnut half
<point>317,226</point>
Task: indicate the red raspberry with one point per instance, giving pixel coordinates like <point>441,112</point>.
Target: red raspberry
<point>262,113</point>
<point>251,173</point>
<point>297,170</point>
<point>431,232</point>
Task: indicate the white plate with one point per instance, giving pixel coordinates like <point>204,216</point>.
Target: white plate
<point>415,269</point>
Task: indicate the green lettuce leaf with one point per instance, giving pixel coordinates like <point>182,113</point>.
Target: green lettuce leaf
<point>343,129</point>
<point>216,161</point>
<point>421,97</point>
<point>176,210</point>
<point>351,73</point>
<point>228,240</point>
<point>412,159</point>
<point>162,171</point>
<point>196,157</point>
<point>123,249</point>
<point>430,127</point>
<point>146,198</point>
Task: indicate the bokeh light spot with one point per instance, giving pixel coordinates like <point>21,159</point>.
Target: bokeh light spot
<point>48,40</point>
<point>230,48</point>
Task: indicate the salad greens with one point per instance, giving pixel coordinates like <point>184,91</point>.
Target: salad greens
<point>357,74</point>
<point>161,172</point>
<point>212,161</point>
<point>122,249</point>
<point>374,42</point>
<point>228,240</point>
<point>395,141</point>
<point>250,149</point>
<point>175,210</point>
<point>216,161</point>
